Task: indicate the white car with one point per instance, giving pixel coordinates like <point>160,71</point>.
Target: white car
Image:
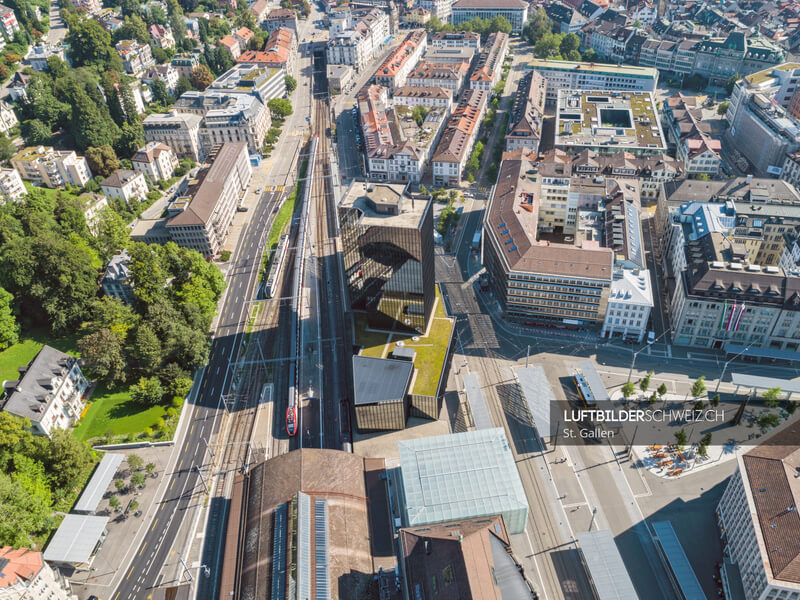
<point>651,337</point>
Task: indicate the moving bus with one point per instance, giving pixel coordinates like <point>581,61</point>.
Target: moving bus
<point>584,392</point>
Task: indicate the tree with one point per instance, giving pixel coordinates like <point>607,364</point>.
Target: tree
<point>119,484</point>
<point>291,83</point>
<point>644,383</point>
<point>538,25</point>
<point>702,450</point>
<point>35,132</point>
<point>146,349</point>
<point>491,173</point>
<point>729,85</point>
<point>714,400</point>
<point>183,85</point>
<point>133,28</point>
<point>133,506</point>
<point>770,397</point>
<point>7,149</point>
<point>501,24</point>
<point>548,45</point>
<point>589,56</point>
<point>147,391</point>
<point>723,107</point>
<point>138,479</point>
<point>569,43</point>
<point>67,459</point>
<point>161,94</point>
<point>130,7</point>
<point>680,438</point>
<point>111,234</point>
<point>102,161</point>
<point>418,113</point>
<point>706,439</point>
<point>131,138</point>
<point>90,124</point>
<point>112,314</point>
<point>628,390</point>
<point>135,462</point>
<point>90,45</point>
<point>280,107</point>
<point>201,77</point>
<point>147,276</point>
<point>114,502</point>
<point>698,406</point>
<point>150,468</point>
<point>102,355</point>
<point>699,387</point>
<point>9,330</point>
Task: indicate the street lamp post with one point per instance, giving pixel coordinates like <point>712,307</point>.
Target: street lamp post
<point>636,352</point>
<point>725,367</point>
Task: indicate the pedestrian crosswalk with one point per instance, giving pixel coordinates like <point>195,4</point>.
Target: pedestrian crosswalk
<point>274,188</point>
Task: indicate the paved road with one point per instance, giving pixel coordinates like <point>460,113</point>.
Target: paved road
<point>58,29</point>
<point>186,487</point>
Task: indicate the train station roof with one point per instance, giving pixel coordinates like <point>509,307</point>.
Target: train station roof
<point>538,396</point>
<point>765,383</point>
<point>76,539</point>
<point>98,484</point>
<point>605,565</point>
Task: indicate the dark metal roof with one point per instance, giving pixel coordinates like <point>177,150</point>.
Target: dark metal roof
<point>380,379</point>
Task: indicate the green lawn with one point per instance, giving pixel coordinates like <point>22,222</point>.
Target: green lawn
<point>21,353</point>
<point>112,410</point>
<point>431,349</point>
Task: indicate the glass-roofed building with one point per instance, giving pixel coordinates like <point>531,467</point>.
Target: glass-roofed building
<point>461,476</point>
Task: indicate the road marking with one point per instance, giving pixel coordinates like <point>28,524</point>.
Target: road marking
<point>129,573</point>
<point>153,528</point>
<point>192,429</point>
<point>180,464</point>
<point>172,484</point>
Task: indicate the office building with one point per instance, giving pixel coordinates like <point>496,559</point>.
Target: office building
<point>489,66</point>
<point>456,39</point>
<point>387,240</point>
<point>461,476</point>
<point>568,75</point>
<point>455,144</point>
<point>313,523</point>
<point>340,78</point>
<point>11,185</point>
<point>181,132</point>
<point>265,83</point>
<point>49,392</point>
<point>717,58</point>
<point>452,56</point>
<point>759,523</point>
<point>527,114</point>
<point>516,11</point>
<point>380,400</point>
<point>24,574</point>
<point>629,305</point>
<point>608,122</point>
<point>205,212</point>
<point>761,128</point>
<point>542,242</point>
<point>394,70</point>
<point>45,167</point>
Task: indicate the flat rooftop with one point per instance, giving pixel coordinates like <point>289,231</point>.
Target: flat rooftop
<point>608,120</point>
<point>567,66</point>
<point>385,205</point>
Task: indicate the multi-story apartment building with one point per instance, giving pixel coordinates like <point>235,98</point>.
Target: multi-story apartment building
<point>179,131</point>
<point>563,74</point>
<point>281,17</point>
<point>8,117</point>
<point>166,73</point>
<point>8,23</point>
<point>24,574</point>
<point>265,83</point>
<point>396,147</point>
<point>355,40</point>
<point>394,70</point>
<point>516,11</point>
<point>116,280</point>
<point>206,210</point>
<point>126,185</point>
<point>280,52</point>
<point>89,7</point>
<point>231,44</point>
<point>11,185</point>
<point>184,63</point>
<point>456,39</point>
<point>43,166</point>
<point>387,250</point>
<point>156,160</point>
<point>758,519</point>
<point>531,275</point>
<point>527,114</point>
<point>683,119</point>
<point>136,57</point>
<point>489,67</point>
<point>162,36</point>
<point>790,171</point>
<point>93,206</point>
<point>455,144</point>
<point>761,128</point>
<point>49,392</point>
<point>451,56</point>
<point>441,9</point>
<point>416,17</point>
<point>790,255</point>
<point>431,97</point>
<point>448,76</point>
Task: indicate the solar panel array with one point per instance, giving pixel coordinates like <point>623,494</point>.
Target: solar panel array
<point>321,550</point>
<point>303,545</point>
<point>279,553</point>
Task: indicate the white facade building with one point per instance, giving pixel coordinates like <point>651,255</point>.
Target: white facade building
<point>136,57</point>
<point>516,11</point>
<point>43,166</point>
<point>156,160</point>
<point>181,132</point>
<point>25,574</point>
<point>629,305</point>
<point>11,185</point>
<point>126,185</point>
<point>49,392</point>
